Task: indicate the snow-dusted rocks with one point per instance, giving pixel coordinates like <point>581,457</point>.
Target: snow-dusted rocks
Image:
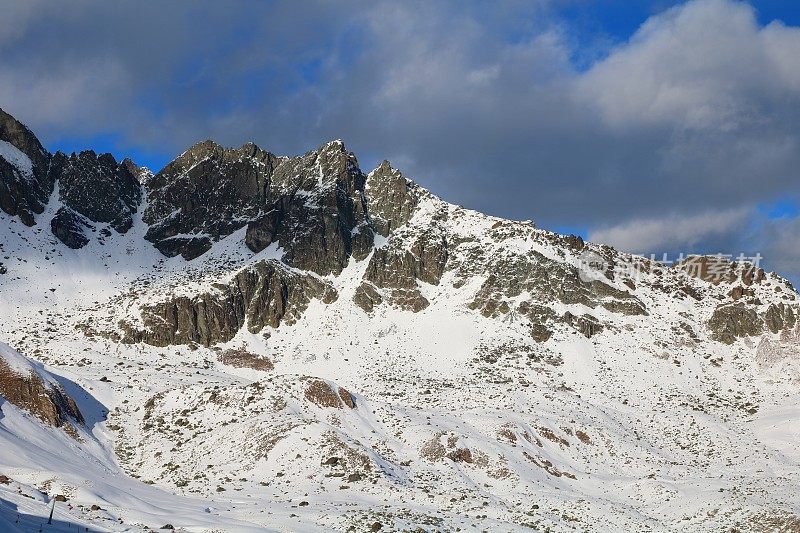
<point>265,294</point>
<point>205,194</point>
<point>97,187</point>
<point>24,184</point>
<point>31,388</point>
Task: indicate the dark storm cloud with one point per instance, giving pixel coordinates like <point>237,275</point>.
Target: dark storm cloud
<point>671,138</point>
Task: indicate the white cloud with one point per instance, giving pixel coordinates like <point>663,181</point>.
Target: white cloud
<point>703,65</point>
<point>672,232</point>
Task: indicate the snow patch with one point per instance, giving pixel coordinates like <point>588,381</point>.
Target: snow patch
<point>17,158</point>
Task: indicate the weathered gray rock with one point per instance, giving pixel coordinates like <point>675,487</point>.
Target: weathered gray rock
<point>732,321</point>
<point>548,281</point>
<point>313,205</point>
<point>23,192</point>
<point>779,317</point>
<point>395,269</point>
<point>325,222</point>
<point>586,325</point>
<point>392,198</point>
<point>263,231</point>
<point>266,294</point>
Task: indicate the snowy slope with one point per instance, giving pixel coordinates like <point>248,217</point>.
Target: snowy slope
<point>627,415</point>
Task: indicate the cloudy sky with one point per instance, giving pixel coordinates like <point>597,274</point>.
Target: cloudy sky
<point>656,126</point>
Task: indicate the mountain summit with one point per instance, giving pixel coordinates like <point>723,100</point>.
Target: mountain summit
<point>265,341</point>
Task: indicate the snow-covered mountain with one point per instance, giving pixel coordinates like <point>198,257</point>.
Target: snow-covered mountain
<point>245,341</point>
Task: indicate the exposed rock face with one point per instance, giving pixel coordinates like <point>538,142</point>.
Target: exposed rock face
<point>312,205</point>
<point>24,387</point>
<point>264,295</point>
<point>548,281</point>
<point>396,268</point>
<point>206,193</point>
<point>779,317</point>
<point>71,228</point>
<point>97,187</point>
<point>720,269</point>
<point>263,231</point>
<point>586,325</point>
<point>325,222</point>
<point>732,321</point>
<point>242,358</point>
<point>24,183</point>
<point>392,198</point>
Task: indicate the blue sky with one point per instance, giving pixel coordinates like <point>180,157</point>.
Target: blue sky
<point>656,126</point>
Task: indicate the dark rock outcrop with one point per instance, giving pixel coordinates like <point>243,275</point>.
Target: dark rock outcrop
<point>395,268</point>
<point>208,192</point>
<point>720,269</point>
<point>97,187</point>
<point>266,294</point>
<point>71,228</point>
<point>586,325</point>
<point>548,281</point>
<point>313,205</point>
<point>320,393</point>
<point>24,191</point>
<point>779,317</point>
<point>263,231</point>
<point>325,222</point>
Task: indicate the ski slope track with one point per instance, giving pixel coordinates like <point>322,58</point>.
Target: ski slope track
<point>250,342</point>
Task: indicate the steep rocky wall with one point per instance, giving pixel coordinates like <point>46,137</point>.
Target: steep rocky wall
<point>266,294</point>
<point>97,187</point>
<point>23,193</point>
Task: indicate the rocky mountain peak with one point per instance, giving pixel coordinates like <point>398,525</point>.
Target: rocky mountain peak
<point>206,193</point>
<point>24,183</point>
<point>142,174</point>
<point>93,189</point>
<point>392,198</point>
<point>18,135</point>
